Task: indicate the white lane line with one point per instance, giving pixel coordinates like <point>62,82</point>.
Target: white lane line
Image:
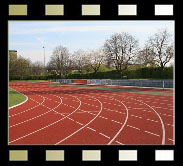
<point>169,124</point>
<point>122,125</point>
<point>133,127</point>
<point>37,102</point>
<point>171,139</point>
<point>26,99</point>
<point>162,124</point>
<point>113,120</point>
<point>107,109</point>
<point>116,121</point>
<point>29,108</point>
<point>136,116</point>
<point>82,112</point>
<point>74,121</point>
<point>90,113</point>
<point>103,117</point>
<point>30,119</point>
<point>147,111</point>
<point>104,135</point>
<point>79,123</point>
<point>54,100</point>
<point>152,133</point>
<point>26,110</point>
<point>159,121</point>
<point>84,125</point>
<point>47,125</point>
<point>91,129</point>
<point>165,108</point>
<point>166,115</point>
<point>90,104</point>
<point>70,118</point>
<point>153,120</point>
<point>38,115</point>
<point>119,143</point>
<point>139,108</point>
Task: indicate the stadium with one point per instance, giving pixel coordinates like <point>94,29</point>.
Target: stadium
<point>121,93</point>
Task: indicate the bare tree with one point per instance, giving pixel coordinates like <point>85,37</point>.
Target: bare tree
<point>51,68</point>
<point>80,60</point>
<point>60,60</point>
<point>161,48</point>
<point>96,58</point>
<point>68,66</point>
<point>37,68</point>
<point>144,57</point>
<point>121,49</point>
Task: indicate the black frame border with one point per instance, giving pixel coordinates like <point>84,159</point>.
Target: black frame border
<point>73,153</point>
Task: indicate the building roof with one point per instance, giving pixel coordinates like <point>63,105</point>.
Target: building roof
<point>13,50</point>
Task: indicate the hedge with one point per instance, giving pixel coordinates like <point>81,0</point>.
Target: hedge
<point>140,73</point>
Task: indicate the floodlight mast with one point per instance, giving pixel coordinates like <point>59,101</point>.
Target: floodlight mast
<point>44,63</point>
<point>44,56</point>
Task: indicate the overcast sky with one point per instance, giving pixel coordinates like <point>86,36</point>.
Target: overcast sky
<point>29,37</point>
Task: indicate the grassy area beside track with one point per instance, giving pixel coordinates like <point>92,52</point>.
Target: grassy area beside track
<point>15,98</point>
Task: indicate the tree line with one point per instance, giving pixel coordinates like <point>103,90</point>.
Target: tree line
<point>118,52</point>
<point>21,66</point>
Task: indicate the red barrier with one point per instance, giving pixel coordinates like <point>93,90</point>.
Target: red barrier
<point>80,81</point>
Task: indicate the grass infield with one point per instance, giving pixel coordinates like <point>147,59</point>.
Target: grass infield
<point>15,98</point>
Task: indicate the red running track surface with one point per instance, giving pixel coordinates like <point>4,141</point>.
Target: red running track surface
<point>55,115</point>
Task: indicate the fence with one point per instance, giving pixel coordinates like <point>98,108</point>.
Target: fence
<point>138,83</point>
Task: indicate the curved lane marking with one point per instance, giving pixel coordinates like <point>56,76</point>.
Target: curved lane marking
<point>49,124</point>
<point>162,124</point>
<point>44,126</point>
<point>27,109</point>
<point>126,120</point>
<point>84,125</point>
<point>122,125</point>
<point>36,116</point>
<point>21,102</point>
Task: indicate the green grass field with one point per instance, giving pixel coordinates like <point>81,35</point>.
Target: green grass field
<point>15,98</point>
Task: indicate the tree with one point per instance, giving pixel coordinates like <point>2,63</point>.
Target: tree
<point>68,66</point>
<point>59,60</point>
<point>161,48</point>
<point>12,65</point>
<point>22,67</point>
<point>96,58</point>
<point>121,49</point>
<point>37,68</point>
<point>144,57</point>
<point>80,61</point>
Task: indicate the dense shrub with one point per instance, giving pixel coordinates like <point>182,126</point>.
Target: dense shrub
<point>139,73</point>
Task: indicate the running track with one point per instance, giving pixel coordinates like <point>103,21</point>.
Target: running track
<point>56,114</point>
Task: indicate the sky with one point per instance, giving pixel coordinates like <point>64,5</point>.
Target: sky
<point>29,37</point>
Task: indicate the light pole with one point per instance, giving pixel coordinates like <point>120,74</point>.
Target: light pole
<point>44,56</point>
<point>44,63</point>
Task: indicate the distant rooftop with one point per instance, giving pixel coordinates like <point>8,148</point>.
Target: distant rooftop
<point>13,50</point>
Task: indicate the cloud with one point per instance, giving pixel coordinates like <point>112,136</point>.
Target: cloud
<point>29,37</point>
<point>41,40</point>
<point>88,27</point>
<point>13,44</point>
